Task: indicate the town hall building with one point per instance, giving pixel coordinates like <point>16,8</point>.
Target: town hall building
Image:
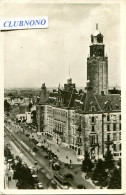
<point>87,119</point>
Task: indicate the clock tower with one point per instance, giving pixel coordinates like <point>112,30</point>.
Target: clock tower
<point>97,64</point>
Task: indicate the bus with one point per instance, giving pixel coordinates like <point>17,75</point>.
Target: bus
<point>61,182</point>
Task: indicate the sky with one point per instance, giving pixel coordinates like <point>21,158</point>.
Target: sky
<point>36,56</point>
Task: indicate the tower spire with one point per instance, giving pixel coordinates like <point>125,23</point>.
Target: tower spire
<point>69,71</point>
<point>97,26</point>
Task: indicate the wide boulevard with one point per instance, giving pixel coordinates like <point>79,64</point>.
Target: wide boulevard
<point>22,143</point>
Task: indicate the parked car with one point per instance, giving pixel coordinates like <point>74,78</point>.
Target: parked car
<point>69,176</point>
<point>40,186</point>
<point>35,162</point>
<point>27,134</point>
<point>86,177</point>
<point>35,177</point>
<point>47,157</point>
<point>53,184</point>
<point>56,166</point>
<point>35,149</point>
<point>80,186</point>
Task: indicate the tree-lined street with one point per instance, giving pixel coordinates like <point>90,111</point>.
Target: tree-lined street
<point>45,173</point>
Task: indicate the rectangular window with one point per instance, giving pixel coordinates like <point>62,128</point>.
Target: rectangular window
<point>114,147</point>
<point>108,137</point>
<point>114,126</point>
<point>120,117</point>
<point>114,137</point>
<point>94,139</point>
<point>119,136</point>
<point>92,119</point>
<point>108,117</point>
<point>119,146</point>
<point>120,126</point>
<point>93,128</point>
<point>108,127</point>
<point>114,117</point>
<point>92,108</point>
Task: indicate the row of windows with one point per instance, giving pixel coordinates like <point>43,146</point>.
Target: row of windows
<point>59,126</point>
<point>114,117</point>
<point>114,127</point>
<point>115,137</point>
<point>56,112</point>
<point>108,118</point>
<point>59,112</point>
<point>59,118</point>
<point>108,127</point>
<point>62,113</point>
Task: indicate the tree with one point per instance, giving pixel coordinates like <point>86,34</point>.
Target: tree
<point>35,149</point>
<point>99,173</point>
<point>109,161</point>
<point>87,165</point>
<point>7,106</point>
<point>7,153</point>
<point>23,174</point>
<point>115,180</point>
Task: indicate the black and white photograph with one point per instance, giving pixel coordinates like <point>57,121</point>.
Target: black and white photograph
<point>62,96</point>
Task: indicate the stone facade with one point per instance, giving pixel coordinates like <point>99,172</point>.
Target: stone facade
<point>87,120</point>
<point>97,73</point>
<point>97,64</point>
<point>112,133</point>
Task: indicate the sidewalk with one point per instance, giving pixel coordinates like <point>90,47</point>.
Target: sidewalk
<point>64,153</point>
<point>10,183</point>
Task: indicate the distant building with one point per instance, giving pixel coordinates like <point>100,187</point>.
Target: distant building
<point>114,91</point>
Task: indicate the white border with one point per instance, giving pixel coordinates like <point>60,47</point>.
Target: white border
<point>123,82</point>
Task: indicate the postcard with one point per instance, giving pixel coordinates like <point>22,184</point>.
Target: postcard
<point>62,97</point>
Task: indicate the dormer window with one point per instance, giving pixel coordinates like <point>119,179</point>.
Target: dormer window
<point>117,106</point>
<point>93,108</point>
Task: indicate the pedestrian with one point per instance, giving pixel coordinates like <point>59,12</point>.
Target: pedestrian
<point>70,161</point>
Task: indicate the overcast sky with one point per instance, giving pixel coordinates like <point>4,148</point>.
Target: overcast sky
<point>34,56</point>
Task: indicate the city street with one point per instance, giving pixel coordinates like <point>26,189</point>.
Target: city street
<point>47,174</point>
<point>27,158</point>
